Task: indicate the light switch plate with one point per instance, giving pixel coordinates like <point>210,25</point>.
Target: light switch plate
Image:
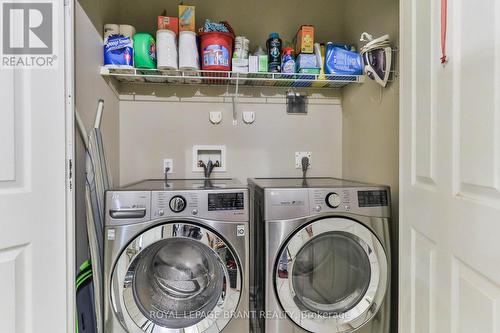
<point>298,158</point>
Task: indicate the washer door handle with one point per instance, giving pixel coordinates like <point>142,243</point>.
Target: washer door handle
<point>128,213</point>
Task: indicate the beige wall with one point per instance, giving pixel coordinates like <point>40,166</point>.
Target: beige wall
<point>370,119</point>
<point>90,87</point>
<point>99,12</point>
<point>255,19</point>
<point>151,130</point>
<point>263,149</point>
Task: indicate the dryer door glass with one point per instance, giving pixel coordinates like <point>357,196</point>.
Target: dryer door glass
<point>176,276</point>
<point>331,273</point>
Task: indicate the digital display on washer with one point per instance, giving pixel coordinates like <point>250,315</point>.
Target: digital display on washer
<point>226,201</point>
<point>372,198</point>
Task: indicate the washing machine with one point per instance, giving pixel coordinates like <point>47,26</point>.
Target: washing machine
<point>321,256</point>
<point>176,257</point>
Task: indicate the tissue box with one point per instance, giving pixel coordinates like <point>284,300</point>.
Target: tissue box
<point>306,61</point>
<point>186,18</point>
<point>253,64</point>
<point>168,23</point>
<point>240,65</point>
<point>240,62</point>
<point>240,69</point>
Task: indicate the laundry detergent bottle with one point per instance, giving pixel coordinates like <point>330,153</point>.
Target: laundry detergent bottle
<point>274,45</point>
<point>144,51</point>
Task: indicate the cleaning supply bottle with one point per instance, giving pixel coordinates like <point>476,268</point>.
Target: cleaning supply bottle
<point>144,51</point>
<point>288,62</point>
<point>274,45</point>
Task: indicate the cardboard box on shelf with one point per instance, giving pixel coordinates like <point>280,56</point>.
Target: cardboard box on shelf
<point>305,60</point>
<point>263,63</point>
<point>168,23</point>
<point>253,64</point>
<point>304,39</point>
<point>187,18</point>
<point>240,69</point>
<point>240,62</point>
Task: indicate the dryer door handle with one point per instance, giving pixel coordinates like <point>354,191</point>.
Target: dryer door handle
<point>128,213</point>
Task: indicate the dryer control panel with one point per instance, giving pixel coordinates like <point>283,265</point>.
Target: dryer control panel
<point>362,201</point>
<point>296,203</point>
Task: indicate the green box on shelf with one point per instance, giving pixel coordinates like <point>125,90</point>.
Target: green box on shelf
<point>309,71</point>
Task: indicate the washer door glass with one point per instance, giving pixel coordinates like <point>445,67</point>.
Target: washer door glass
<point>177,281</point>
<point>177,277</point>
<point>331,274</point>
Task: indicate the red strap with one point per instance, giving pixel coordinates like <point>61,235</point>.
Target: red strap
<point>444,17</point>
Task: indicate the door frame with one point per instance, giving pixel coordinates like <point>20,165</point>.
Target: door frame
<point>404,9</point>
<point>69,37</point>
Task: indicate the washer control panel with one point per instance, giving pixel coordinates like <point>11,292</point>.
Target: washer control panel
<point>128,207</point>
<point>124,207</point>
<point>226,201</point>
<point>221,205</point>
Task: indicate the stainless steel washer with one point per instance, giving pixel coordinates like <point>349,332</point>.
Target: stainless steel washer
<point>322,256</point>
<point>176,257</point>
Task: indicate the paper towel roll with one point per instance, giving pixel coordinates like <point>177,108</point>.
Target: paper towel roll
<point>188,51</point>
<point>166,49</point>
<point>127,30</point>
<point>111,29</point>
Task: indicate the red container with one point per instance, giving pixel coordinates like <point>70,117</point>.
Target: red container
<point>216,50</point>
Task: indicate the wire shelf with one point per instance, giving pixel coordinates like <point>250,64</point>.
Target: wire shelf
<point>203,77</point>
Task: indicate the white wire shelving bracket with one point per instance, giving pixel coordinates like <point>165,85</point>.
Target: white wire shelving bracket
<point>203,77</point>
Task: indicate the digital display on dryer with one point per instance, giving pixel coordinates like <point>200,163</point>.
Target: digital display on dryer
<point>373,198</point>
<point>226,201</point>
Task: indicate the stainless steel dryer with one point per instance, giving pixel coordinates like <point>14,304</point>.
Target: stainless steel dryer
<point>176,257</point>
<point>322,256</point>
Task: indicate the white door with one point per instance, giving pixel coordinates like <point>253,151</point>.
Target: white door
<point>35,285</point>
<point>450,169</point>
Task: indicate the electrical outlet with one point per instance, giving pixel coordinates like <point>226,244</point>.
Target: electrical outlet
<point>298,158</point>
<point>168,163</point>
